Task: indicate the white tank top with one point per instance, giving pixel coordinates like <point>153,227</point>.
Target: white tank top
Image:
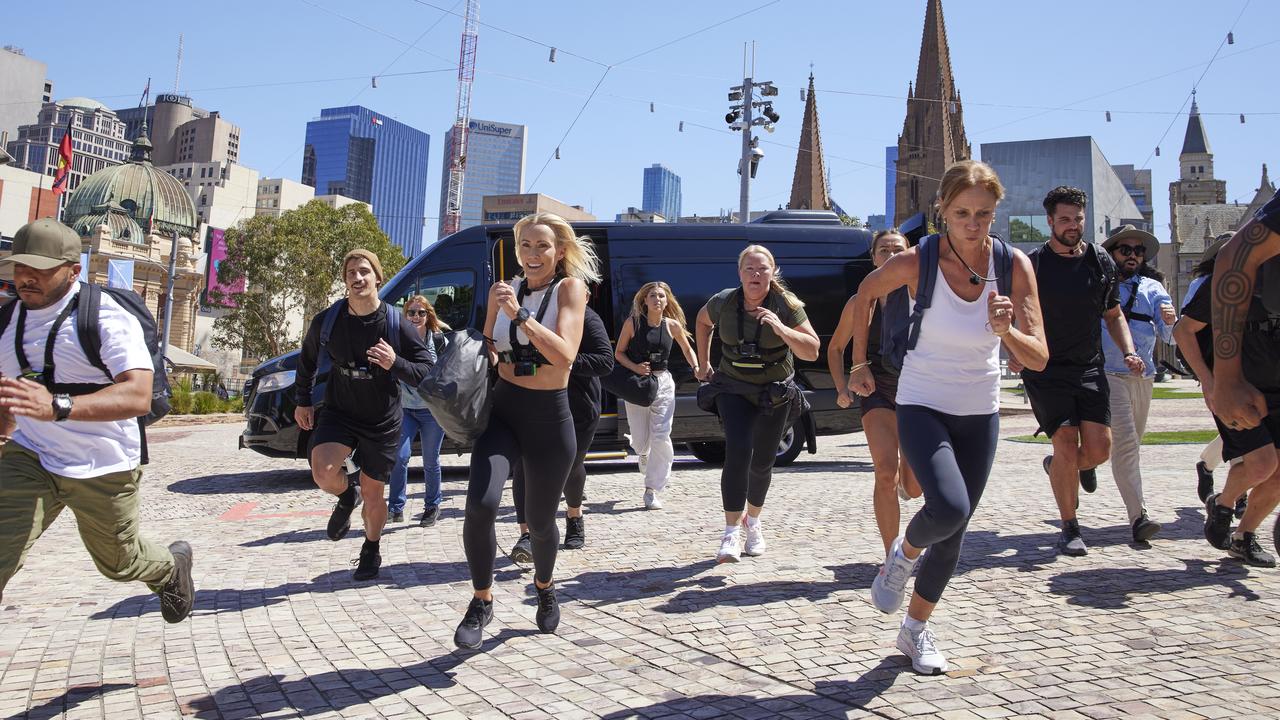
<point>532,301</point>
<point>955,366</point>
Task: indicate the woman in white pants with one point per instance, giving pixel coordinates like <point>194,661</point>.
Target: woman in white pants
<point>644,345</point>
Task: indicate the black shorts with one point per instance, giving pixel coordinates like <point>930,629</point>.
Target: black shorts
<point>1068,397</point>
<point>1238,443</point>
<point>886,393</point>
<point>375,451</point>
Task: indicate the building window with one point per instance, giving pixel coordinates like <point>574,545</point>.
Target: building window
<point>1028,228</point>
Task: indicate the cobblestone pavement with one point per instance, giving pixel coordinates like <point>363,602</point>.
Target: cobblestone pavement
<point>651,627</point>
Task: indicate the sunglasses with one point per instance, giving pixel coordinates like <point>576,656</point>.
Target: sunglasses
<point>415,313</point>
<point>1128,250</point>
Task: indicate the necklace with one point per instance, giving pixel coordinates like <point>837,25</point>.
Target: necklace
<point>974,277</point>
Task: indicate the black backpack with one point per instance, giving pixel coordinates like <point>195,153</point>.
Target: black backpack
<point>900,323</point>
<point>457,387</point>
<point>87,304</point>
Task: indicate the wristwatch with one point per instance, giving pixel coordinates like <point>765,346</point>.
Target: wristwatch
<point>1133,354</point>
<point>61,407</point>
<point>522,315</point>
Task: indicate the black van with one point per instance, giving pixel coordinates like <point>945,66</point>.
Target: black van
<point>821,260</point>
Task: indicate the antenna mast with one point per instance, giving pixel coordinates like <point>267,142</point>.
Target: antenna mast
<point>177,72</point>
<point>452,220</point>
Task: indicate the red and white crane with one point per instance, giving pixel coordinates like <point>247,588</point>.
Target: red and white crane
<point>452,220</point>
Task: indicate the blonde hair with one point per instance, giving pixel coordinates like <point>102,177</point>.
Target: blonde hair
<point>775,283</point>
<point>580,259</point>
<point>433,320</point>
<point>966,174</point>
<point>361,253</point>
<point>672,310</point>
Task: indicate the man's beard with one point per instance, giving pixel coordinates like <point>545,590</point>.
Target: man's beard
<point>1062,240</point>
<point>1126,273</point>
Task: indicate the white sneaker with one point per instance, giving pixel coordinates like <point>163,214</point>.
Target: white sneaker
<point>922,648</point>
<point>755,545</point>
<point>902,491</point>
<point>651,500</point>
<point>729,547</point>
<point>891,581</point>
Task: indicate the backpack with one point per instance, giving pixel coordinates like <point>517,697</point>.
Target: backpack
<point>457,387</point>
<point>900,322</point>
<point>324,363</point>
<point>88,304</point>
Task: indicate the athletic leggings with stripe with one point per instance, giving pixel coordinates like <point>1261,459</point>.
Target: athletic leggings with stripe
<point>751,439</point>
<point>532,427</point>
<point>576,485</point>
<point>951,456</point>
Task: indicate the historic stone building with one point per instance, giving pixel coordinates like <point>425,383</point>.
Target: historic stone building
<point>131,212</point>
<point>809,189</point>
<point>933,133</point>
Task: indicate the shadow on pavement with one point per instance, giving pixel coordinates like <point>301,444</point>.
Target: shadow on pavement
<point>263,481</point>
<point>853,576</point>
<point>69,701</point>
<point>829,699</point>
<point>613,587</point>
<point>334,690</point>
<point>1114,588</point>
<point>392,577</point>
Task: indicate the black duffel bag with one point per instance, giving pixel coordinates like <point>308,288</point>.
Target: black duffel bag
<point>458,386</point>
<point>636,389</point>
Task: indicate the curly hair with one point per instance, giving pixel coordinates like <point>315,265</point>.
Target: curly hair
<point>1065,194</point>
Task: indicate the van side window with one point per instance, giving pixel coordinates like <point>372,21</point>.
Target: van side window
<point>452,293</point>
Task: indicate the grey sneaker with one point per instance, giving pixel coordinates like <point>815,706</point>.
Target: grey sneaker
<point>1070,542</point>
<point>178,596</point>
<point>922,648</point>
<point>891,582</point>
<point>1247,549</point>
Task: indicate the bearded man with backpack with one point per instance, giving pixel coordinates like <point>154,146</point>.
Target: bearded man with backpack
<point>71,403</point>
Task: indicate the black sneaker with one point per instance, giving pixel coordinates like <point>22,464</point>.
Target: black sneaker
<point>1247,549</point>
<point>370,561</point>
<point>1144,529</point>
<point>574,536</point>
<point>522,552</point>
<point>1204,481</point>
<point>340,519</point>
<point>1241,505</point>
<point>1048,460</point>
<point>470,632</point>
<point>179,594</point>
<point>1217,523</point>
<point>1070,542</point>
<point>1089,480</point>
<point>396,517</point>
<point>548,615</point>
<point>429,516</point>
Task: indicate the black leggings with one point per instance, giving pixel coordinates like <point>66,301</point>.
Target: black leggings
<point>529,426</point>
<point>951,456</point>
<point>577,481</point>
<point>751,440</point>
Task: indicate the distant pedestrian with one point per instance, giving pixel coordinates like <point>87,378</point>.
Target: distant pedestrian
<point>656,322</point>
<point>70,436</point>
<point>418,422</point>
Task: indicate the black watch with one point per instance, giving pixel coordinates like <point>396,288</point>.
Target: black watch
<point>522,315</point>
<point>61,407</point>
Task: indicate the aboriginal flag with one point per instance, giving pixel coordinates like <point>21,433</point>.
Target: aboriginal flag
<point>64,162</point>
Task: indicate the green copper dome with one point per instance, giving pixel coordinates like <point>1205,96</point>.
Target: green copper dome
<point>113,216</point>
<point>141,190</point>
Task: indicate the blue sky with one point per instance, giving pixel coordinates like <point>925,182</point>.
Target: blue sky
<point>271,66</point>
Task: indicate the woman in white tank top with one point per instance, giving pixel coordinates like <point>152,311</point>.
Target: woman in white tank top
<point>948,409</point>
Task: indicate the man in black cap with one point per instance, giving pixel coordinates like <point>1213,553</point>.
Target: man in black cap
<point>71,441</point>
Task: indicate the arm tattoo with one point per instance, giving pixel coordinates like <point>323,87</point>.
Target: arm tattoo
<point>1232,291</point>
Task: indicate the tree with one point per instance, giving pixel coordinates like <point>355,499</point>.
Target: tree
<point>291,266</point>
<point>851,221</point>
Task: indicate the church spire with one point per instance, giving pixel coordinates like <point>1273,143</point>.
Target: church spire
<point>1195,140</point>
<point>809,184</point>
<point>933,132</point>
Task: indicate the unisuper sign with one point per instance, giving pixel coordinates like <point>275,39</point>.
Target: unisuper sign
<point>492,128</point>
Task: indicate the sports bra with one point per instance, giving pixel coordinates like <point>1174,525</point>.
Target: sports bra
<point>531,301</point>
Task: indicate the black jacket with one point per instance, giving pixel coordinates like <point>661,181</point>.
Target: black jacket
<point>594,361</point>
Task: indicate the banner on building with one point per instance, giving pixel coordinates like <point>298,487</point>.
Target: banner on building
<point>216,241</point>
<point>120,274</point>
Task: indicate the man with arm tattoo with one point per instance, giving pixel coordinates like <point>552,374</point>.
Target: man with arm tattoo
<point>1246,391</point>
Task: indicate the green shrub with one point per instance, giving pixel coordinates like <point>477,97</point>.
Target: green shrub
<point>203,403</point>
<point>180,401</point>
<point>233,405</point>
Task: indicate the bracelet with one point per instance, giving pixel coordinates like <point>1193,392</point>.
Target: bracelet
<point>859,366</point>
<point>1133,354</point>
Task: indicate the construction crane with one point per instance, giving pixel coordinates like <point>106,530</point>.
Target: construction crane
<point>452,220</point>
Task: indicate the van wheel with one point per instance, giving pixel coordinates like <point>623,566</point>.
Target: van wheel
<point>711,453</point>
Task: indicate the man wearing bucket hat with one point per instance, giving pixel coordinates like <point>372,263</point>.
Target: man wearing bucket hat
<point>1149,311</point>
<point>1246,388</point>
<point>70,441</point>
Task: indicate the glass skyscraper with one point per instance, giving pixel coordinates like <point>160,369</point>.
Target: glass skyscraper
<point>495,166</point>
<point>662,192</point>
<point>355,152</point>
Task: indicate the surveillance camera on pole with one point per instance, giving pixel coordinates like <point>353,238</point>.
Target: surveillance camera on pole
<point>740,118</point>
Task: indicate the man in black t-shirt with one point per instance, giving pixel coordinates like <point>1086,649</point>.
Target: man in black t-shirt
<point>1070,397</point>
<point>361,411</point>
<point>1246,387</point>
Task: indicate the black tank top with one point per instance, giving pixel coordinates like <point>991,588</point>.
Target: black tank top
<point>650,344</point>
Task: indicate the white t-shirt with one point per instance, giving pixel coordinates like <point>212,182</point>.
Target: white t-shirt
<point>73,448</point>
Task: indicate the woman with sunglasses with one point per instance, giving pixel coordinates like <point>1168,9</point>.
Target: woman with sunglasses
<point>418,421</point>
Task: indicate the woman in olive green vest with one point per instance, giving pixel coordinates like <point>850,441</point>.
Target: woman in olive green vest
<point>762,327</point>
